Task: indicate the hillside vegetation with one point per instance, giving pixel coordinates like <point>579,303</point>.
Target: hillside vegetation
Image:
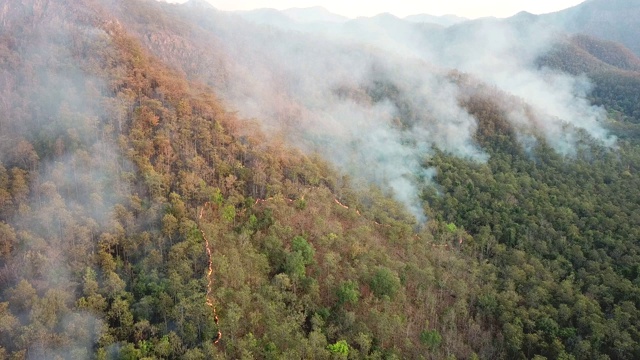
<point>614,72</point>
<point>118,168</point>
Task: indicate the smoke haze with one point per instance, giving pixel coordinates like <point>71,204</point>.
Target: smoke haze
<point>53,104</point>
<point>375,95</point>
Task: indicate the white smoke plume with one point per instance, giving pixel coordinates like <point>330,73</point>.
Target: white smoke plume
<point>374,95</point>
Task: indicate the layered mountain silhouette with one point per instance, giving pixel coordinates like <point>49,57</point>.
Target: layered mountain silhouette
<point>615,20</point>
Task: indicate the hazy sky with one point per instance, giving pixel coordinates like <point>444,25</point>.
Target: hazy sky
<point>466,8</point>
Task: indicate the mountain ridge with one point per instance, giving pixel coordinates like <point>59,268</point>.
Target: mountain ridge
<point>444,20</point>
<point>613,20</point>
<point>313,14</point>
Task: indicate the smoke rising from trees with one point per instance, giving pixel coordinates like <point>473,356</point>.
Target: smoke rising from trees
<point>376,95</point>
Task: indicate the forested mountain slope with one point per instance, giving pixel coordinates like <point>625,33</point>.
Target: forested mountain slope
<point>114,172</point>
<point>614,72</point>
<point>515,234</point>
<point>561,232</point>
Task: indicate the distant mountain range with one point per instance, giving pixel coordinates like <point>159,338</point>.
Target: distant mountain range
<point>321,15</point>
<point>444,20</point>
<point>614,20</point>
<point>314,14</point>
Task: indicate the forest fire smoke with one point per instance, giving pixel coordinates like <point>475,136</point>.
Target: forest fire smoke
<point>209,296</point>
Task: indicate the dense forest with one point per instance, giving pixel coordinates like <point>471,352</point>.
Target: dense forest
<point>142,218</point>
